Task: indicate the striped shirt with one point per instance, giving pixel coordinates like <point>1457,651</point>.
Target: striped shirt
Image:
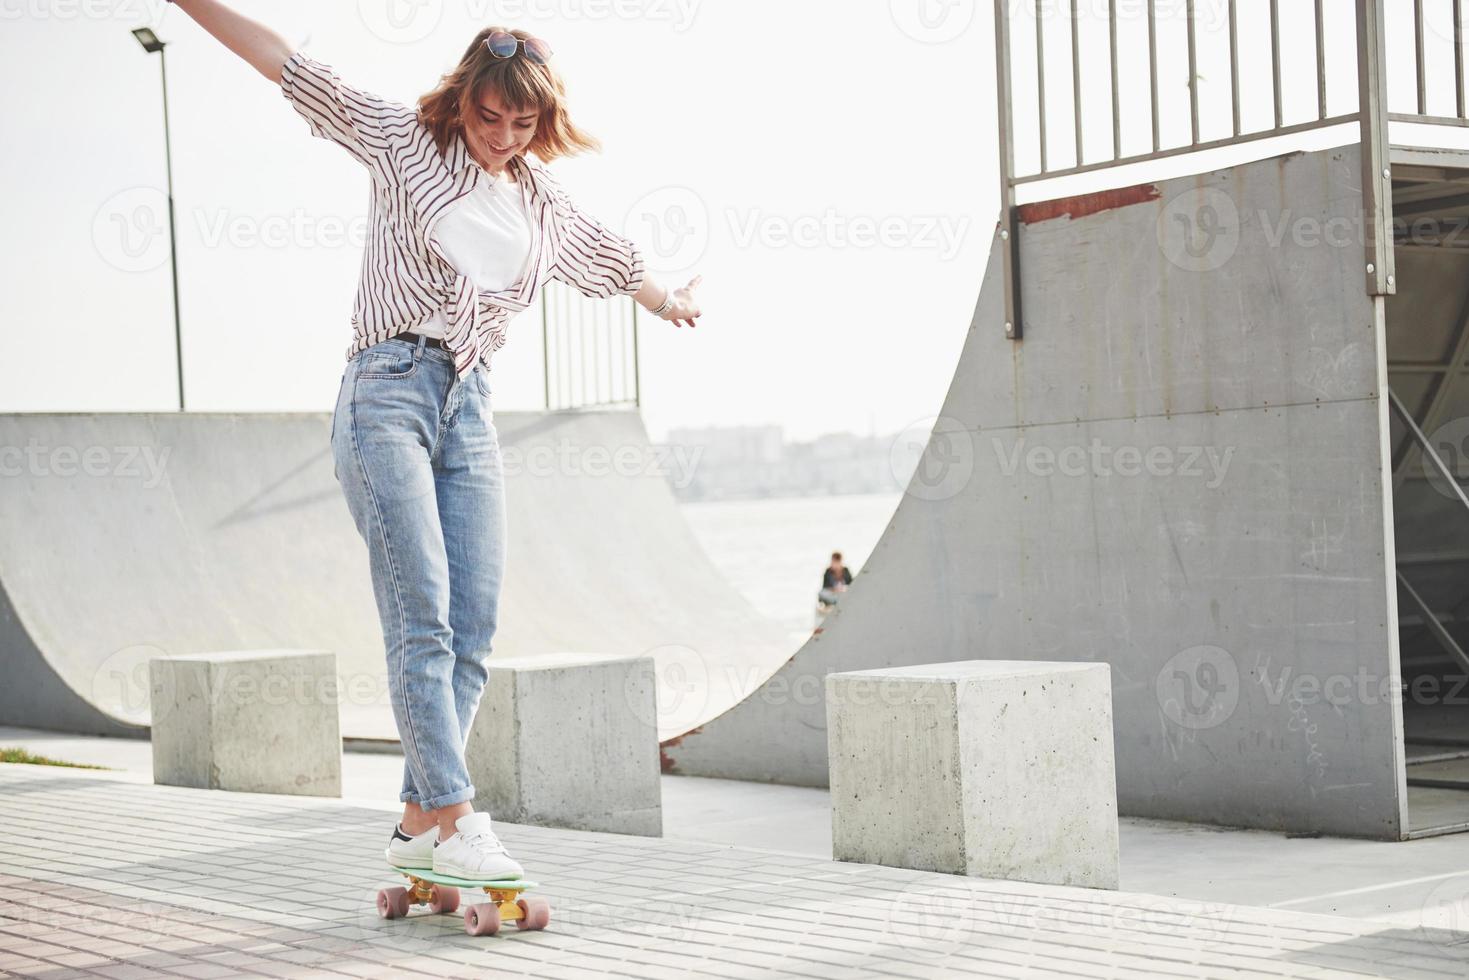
<point>405,276</point>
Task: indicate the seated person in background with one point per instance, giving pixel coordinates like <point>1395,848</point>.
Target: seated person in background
<point>834,581</point>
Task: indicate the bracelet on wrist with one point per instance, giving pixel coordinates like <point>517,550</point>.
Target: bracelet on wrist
<point>667,303</point>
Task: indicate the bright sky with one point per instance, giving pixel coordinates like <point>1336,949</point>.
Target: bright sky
<point>752,142</point>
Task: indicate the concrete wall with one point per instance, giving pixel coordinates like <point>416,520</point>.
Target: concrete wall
<point>1234,377</point>
<point>128,536</point>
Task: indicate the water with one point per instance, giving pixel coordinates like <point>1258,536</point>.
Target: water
<point>774,551</point>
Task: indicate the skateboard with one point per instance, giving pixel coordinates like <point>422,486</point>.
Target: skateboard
<point>441,893</point>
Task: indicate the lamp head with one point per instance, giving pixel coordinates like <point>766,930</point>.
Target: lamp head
<point>148,39</point>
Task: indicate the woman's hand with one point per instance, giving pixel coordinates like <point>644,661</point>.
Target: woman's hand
<point>685,306</point>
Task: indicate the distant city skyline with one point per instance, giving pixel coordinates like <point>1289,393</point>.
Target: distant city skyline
<point>753,462</point>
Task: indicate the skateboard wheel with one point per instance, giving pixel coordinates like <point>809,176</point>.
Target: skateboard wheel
<point>445,898</point>
<point>535,913</point>
<point>392,903</point>
<point>482,919</point>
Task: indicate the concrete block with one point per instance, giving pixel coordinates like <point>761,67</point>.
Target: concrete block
<point>569,740</point>
<point>250,721</point>
<point>999,769</point>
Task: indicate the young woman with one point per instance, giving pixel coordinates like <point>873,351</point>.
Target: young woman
<point>465,229</point>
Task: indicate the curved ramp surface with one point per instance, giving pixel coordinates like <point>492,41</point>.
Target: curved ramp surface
<point>130,536</point>
<point>1179,472</point>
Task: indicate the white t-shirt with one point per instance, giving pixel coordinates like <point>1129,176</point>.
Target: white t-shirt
<point>486,235</point>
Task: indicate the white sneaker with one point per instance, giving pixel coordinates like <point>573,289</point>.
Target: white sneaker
<point>412,852</point>
<point>474,852</point>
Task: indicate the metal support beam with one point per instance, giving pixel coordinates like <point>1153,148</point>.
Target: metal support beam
<point>1426,447</point>
<point>1376,174</point>
<point>1432,624</point>
<point>1439,402</point>
<point>1007,226</point>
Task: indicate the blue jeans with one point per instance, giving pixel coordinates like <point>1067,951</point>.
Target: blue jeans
<point>418,459</point>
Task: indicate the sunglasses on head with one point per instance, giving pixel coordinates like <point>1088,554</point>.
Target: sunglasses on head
<point>503,44</point>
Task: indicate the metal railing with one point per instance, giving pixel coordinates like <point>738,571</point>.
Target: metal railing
<point>1370,113</point>
<point>1420,62</point>
<point>590,350</point>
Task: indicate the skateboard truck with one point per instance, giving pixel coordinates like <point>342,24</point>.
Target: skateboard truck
<point>441,894</point>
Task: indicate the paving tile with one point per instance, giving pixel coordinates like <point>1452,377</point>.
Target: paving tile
<point>203,971</point>
<point>82,960</point>
<point>126,971</point>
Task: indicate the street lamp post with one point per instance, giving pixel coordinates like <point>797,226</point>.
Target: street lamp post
<point>153,45</point>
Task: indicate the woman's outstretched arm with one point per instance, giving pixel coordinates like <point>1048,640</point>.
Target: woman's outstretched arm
<point>263,48</point>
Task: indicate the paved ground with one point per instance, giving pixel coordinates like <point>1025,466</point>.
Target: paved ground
<point>1422,882</point>
<point>105,873</point>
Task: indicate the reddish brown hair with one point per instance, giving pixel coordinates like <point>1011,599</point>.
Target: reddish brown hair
<point>522,84</point>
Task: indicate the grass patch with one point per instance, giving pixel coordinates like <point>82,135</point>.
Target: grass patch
<point>21,755</point>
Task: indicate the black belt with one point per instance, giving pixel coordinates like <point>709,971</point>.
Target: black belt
<point>413,338</point>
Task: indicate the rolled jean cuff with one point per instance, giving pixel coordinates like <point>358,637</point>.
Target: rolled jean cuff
<point>408,797</point>
<point>448,799</point>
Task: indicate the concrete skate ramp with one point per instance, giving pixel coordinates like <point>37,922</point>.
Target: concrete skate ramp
<point>129,536</point>
<point>1179,471</point>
